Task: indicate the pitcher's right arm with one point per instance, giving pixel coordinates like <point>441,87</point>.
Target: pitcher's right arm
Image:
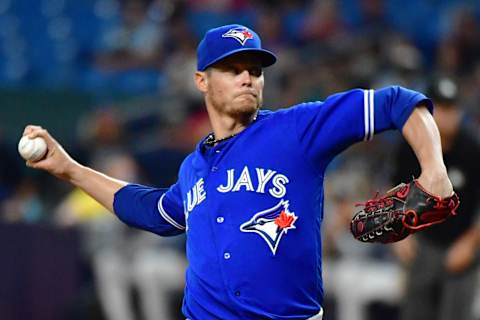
<point>59,163</point>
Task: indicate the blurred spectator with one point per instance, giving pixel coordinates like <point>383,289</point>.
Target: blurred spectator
<point>180,65</point>
<point>442,260</point>
<point>24,205</point>
<point>218,5</point>
<point>130,55</point>
<point>401,62</point>
<point>470,95</point>
<point>323,22</point>
<point>193,129</point>
<point>132,44</point>
<point>269,23</point>
<point>460,51</point>
<point>100,131</point>
<point>124,259</point>
<point>374,20</point>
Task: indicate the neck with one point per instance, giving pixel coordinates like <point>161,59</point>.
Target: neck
<point>224,125</point>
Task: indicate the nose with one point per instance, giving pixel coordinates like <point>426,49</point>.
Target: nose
<point>246,78</point>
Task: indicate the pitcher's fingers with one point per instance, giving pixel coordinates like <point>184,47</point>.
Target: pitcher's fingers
<point>43,134</point>
<point>39,164</point>
<point>30,128</point>
<point>38,133</point>
<point>29,163</point>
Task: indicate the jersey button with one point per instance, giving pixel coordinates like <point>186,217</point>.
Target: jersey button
<point>217,151</point>
<point>237,293</point>
<point>226,255</point>
<point>214,169</point>
<point>220,219</point>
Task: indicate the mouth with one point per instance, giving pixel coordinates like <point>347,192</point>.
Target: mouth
<point>248,93</point>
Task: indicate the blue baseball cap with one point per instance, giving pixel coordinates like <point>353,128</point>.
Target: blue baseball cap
<point>221,42</point>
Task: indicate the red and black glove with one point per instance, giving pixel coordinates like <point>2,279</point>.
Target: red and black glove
<point>404,210</point>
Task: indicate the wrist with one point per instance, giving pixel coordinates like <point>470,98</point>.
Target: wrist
<point>436,182</point>
<point>74,172</point>
<point>435,176</point>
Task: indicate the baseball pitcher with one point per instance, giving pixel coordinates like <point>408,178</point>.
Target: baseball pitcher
<point>250,196</point>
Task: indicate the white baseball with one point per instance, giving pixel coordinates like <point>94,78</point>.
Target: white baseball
<point>32,149</point>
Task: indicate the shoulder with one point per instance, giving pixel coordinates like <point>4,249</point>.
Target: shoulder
<point>288,111</point>
<point>188,166</point>
<point>345,97</point>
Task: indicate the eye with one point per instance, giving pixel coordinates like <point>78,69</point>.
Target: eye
<point>234,70</point>
<point>255,71</point>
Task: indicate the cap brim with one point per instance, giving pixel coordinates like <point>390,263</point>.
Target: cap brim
<point>267,57</point>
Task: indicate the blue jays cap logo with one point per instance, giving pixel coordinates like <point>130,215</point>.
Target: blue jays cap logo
<point>271,224</point>
<point>240,34</point>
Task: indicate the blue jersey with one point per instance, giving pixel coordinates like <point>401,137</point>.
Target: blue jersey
<point>252,206</point>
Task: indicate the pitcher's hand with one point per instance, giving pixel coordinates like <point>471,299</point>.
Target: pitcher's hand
<point>57,161</point>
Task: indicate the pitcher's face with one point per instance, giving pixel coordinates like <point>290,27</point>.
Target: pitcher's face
<point>234,85</point>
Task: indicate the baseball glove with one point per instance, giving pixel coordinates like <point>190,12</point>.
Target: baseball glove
<point>403,210</point>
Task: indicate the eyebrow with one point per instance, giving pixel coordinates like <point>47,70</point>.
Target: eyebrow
<point>245,64</point>
<point>243,59</point>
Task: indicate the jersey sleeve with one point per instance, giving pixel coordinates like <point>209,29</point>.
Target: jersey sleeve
<point>157,210</point>
<point>326,128</point>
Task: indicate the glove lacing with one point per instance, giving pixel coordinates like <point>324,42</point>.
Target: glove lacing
<point>384,202</point>
<point>445,208</point>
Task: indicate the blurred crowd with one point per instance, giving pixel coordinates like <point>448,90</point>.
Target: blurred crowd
<point>136,58</point>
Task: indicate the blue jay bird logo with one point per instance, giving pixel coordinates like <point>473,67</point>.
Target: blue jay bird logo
<point>241,35</point>
<point>271,224</point>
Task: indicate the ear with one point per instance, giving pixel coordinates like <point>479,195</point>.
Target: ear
<point>201,81</point>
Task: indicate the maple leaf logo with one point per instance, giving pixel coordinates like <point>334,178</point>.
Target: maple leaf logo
<point>285,220</point>
<point>247,34</point>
